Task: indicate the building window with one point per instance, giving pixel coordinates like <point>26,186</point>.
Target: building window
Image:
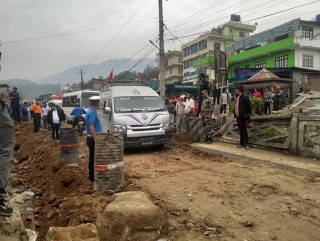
<point>308,61</point>
<point>186,52</point>
<point>180,71</point>
<point>186,64</point>
<point>261,64</point>
<point>282,62</point>
<point>307,32</point>
<point>202,45</point>
<point>170,72</point>
<point>241,34</point>
<point>281,37</point>
<point>180,59</point>
<point>192,60</point>
<point>171,61</point>
<point>194,48</point>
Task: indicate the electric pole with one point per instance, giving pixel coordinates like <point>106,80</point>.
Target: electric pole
<point>161,53</point>
<point>82,84</point>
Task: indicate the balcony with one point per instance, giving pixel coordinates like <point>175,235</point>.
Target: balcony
<point>262,51</point>
<point>307,43</point>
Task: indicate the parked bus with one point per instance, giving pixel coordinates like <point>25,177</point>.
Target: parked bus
<point>69,101</point>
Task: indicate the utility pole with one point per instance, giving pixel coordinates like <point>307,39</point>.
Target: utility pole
<point>161,53</point>
<point>82,84</point>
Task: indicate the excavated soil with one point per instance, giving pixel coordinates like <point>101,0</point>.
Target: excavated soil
<point>206,197</point>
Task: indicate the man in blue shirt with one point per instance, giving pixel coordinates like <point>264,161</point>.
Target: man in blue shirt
<point>77,113</point>
<point>24,112</point>
<point>93,126</point>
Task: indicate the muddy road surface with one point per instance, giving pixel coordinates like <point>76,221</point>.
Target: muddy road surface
<point>205,197</point>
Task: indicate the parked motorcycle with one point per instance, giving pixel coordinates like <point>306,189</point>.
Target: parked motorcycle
<point>81,126</point>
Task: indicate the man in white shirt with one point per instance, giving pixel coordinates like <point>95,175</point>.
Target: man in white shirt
<point>44,113</point>
<point>188,111</point>
<point>180,113</point>
<point>226,97</point>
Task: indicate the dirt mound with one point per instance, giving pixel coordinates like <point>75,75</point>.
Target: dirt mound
<point>65,196</point>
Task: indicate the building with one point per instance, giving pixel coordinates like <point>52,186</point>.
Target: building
<point>198,55</point>
<point>290,50</point>
<point>174,66</point>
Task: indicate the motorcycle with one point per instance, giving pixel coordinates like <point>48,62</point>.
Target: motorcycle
<point>81,126</point>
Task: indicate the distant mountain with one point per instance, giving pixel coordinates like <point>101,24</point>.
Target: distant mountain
<point>29,89</point>
<point>72,75</point>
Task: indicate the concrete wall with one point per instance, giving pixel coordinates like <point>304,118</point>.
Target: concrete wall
<point>314,52</point>
<point>314,82</point>
<point>300,81</point>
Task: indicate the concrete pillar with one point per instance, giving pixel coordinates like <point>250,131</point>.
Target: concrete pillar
<point>294,131</point>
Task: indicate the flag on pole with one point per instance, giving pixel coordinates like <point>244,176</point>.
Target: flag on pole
<point>110,77</point>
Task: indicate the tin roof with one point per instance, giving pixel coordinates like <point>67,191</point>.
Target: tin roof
<point>264,74</point>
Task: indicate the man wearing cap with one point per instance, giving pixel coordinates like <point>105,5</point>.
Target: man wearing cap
<point>206,115</point>
<point>93,126</point>
<point>204,85</point>
<point>242,112</point>
<point>15,104</point>
<point>6,153</point>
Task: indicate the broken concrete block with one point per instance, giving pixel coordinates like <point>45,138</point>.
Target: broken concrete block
<point>129,214</point>
<point>83,232</point>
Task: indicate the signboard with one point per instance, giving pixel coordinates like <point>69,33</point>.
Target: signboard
<point>265,35</point>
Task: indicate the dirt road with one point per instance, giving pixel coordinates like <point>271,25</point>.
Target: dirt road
<point>206,197</point>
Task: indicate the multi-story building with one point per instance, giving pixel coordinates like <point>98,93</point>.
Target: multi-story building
<point>198,55</point>
<point>290,50</point>
<point>174,66</point>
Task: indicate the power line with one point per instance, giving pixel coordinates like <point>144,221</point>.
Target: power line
<point>76,32</point>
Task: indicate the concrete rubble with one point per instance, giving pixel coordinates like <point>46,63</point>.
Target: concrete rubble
<point>82,232</point>
<point>131,216</point>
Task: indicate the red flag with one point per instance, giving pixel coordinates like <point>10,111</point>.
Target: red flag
<point>140,76</point>
<point>110,77</point>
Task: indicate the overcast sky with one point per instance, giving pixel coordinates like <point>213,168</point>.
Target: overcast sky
<point>35,59</point>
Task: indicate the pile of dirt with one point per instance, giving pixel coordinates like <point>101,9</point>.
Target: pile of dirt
<point>64,195</point>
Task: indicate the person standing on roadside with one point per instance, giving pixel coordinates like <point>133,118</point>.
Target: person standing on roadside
<point>267,101</point>
<point>204,85</point>
<point>93,126</point>
<point>15,104</point>
<point>180,106</point>
<point>24,112</point>
<point>44,114</point>
<point>36,116</point>
<point>55,117</point>
<point>206,115</point>
<point>77,113</point>
<point>242,112</point>
<point>6,153</point>
<point>188,111</point>
<point>256,94</point>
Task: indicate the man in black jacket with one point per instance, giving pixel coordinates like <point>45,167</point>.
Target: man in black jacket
<point>54,118</point>
<point>242,112</point>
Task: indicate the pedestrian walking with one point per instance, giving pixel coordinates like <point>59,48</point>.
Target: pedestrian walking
<point>6,153</point>
<point>206,115</point>
<point>36,116</point>
<point>93,126</point>
<point>44,114</point>
<point>15,104</point>
<point>24,112</point>
<point>226,97</point>
<point>267,101</point>
<point>180,106</point>
<point>242,112</point>
<point>55,117</point>
<point>77,113</point>
<point>188,111</point>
